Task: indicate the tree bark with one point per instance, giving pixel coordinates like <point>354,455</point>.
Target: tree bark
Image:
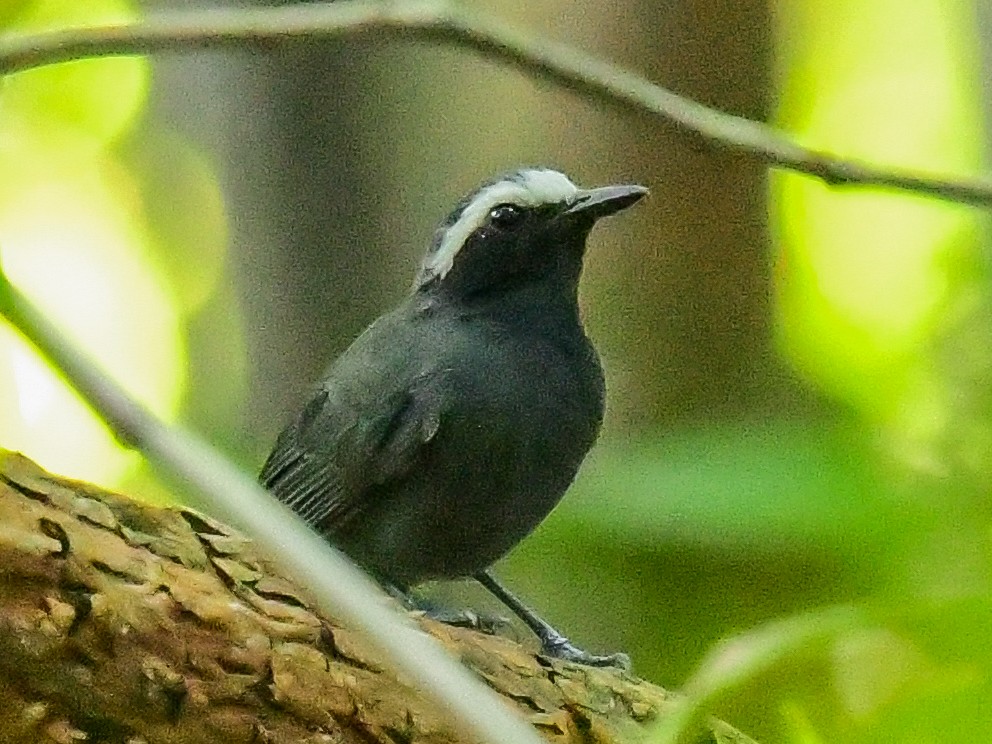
<point>123,622</point>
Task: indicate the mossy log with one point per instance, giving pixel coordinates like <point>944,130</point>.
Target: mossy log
<point>123,622</point>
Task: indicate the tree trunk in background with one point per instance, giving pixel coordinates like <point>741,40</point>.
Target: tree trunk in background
<point>285,129</point>
<point>697,336</point>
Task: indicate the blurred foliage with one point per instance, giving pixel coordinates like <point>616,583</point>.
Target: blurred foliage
<point>865,279</point>
<point>880,500</point>
<point>116,230</point>
<point>864,495</point>
<point>882,306</point>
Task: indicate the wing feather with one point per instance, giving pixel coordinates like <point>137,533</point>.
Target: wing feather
<point>326,464</point>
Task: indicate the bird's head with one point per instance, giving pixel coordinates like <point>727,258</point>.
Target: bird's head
<point>526,227</point>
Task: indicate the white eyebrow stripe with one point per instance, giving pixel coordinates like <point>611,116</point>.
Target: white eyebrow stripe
<point>530,188</point>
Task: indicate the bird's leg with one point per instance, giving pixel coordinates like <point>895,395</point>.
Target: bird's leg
<point>553,643</point>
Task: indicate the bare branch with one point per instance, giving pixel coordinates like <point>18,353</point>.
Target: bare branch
<point>438,20</point>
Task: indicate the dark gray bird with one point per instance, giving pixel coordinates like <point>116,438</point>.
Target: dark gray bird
<point>454,424</point>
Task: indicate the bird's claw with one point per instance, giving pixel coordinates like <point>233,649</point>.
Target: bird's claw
<point>559,647</point>
<point>484,623</point>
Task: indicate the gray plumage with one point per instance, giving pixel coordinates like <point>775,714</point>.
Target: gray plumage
<point>453,425</point>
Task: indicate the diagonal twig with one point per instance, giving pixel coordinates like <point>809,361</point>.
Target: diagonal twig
<point>339,588</point>
<point>442,21</point>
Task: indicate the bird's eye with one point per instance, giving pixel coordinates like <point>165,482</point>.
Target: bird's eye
<point>505,215</point>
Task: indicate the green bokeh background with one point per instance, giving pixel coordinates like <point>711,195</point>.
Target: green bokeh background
<point>799,376</point>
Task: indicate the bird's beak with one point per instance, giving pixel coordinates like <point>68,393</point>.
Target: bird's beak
<point>602,202</point>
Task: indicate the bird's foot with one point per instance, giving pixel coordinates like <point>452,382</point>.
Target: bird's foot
<point>484,623</point>
<point>559,647</point>
<point>404,597</point>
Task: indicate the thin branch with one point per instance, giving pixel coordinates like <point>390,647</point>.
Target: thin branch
<point>438,20</point>
<point>339,589</point>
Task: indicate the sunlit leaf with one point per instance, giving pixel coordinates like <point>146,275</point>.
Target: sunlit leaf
<point>863,277</point>
<point>75,105</point>
<point>10,10</point>
<point>70,241</point>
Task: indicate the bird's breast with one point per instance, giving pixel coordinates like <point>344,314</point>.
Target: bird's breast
<point>511,439</point>
<point>519,411</point>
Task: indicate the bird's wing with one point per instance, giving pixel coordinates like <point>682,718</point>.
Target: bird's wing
<point>326,463</point>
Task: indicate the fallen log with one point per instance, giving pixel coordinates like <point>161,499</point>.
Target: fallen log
<point>124,622</point>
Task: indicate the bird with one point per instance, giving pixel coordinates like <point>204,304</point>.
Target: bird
<point>452,426</point>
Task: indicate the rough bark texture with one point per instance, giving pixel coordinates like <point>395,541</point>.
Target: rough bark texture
<point>121,622</point>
